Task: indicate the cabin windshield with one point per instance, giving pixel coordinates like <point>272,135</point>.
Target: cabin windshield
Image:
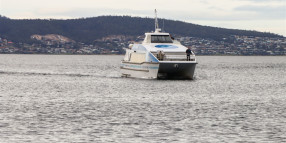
<point>161,39</point>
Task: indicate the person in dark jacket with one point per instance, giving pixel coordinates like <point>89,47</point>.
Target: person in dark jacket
<point>189,52</point>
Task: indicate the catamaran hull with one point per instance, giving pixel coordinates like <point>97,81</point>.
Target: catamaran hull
<point>142,70</point>
<point>173,70</point>
<point>158,70</point>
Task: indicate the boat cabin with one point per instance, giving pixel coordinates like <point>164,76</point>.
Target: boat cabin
<point>157,38</point>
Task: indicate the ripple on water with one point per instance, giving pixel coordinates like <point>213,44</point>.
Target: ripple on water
<point>83,99</point>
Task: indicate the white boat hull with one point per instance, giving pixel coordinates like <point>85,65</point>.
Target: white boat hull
<point>139,70</point>
<point>161,70</point>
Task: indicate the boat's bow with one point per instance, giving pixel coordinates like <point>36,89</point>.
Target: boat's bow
<point>177,69</point>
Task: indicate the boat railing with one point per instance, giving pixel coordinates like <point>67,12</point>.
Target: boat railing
<point>174,57</point>
<point>178,58</point>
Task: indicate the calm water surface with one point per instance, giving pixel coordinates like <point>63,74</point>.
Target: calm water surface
<point>59,98</point>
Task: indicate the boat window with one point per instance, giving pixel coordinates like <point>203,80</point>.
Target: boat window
<point>161,39</point>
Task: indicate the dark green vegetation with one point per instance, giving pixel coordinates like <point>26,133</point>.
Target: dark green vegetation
<point>88,29</point>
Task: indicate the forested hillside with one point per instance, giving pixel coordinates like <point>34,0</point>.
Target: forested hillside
<point>89,29</point>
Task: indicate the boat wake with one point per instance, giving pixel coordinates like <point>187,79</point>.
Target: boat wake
<point>57,74</point>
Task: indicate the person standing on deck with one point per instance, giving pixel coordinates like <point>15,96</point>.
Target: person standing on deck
<point>161,55</point>
<point>189,52</point>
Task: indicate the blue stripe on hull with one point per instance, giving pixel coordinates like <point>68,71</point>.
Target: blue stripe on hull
<point>140,67</point>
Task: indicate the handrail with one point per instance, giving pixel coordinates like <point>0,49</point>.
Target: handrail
<point>138,63</point>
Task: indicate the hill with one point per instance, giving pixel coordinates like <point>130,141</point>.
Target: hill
<point>89,29</point>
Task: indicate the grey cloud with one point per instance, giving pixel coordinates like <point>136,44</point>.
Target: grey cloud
<point>265,12</point>
<point>264,0</point>
<point>88,12</point>
<point>239,14</point>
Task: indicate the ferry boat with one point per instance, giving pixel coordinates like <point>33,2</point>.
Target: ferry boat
<point>159,56</point>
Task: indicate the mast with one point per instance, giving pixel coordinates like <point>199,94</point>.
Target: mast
<point>163,29</point>
<point>157,29</point>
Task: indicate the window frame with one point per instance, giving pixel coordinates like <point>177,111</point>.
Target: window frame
<point>161,39</point>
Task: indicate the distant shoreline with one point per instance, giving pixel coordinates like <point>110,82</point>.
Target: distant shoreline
<point>123,55</point>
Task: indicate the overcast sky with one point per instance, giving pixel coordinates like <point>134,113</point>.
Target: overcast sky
<point>260,15</point>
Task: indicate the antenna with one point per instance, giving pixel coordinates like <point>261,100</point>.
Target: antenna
<point>157,29</point>
<point>163,29</point>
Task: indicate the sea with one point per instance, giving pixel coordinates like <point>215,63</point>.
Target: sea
<point>83,99</point>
